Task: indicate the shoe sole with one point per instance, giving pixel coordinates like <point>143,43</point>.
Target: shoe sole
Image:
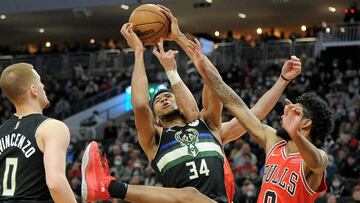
<point>84,164</point>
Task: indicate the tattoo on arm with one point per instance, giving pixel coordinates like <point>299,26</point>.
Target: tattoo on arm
<point>230,100</point>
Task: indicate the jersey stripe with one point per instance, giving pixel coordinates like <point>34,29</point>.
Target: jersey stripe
<point>167,145</point>
<point>274,147</point>
<point>178,145</point>
<point>183,152</point>
<point>303,179</point>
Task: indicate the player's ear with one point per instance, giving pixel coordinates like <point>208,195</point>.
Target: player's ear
<point>306,124</point>
<point>33,89</point>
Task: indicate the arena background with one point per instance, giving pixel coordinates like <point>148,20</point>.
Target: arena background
<point>86,66</point>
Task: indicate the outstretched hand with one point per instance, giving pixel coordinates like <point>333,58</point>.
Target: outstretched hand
<point>174,27</point>
<point>167,59</point>
<point>291,68</point>
<point>195,52</point>
<point>130,36</point>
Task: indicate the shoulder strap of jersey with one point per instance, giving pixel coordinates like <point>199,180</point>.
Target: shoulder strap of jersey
<point>275,146</point>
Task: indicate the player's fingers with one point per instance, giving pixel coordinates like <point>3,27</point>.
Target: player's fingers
<point>155,52</point>
<point>295,63</point>
<point>294,58</point>
<point>124,28</point>
<point>164,8</point>
<point>172,53</point>
<point>198,45</point>
<point>287,101</point>
<point>129,28</point>
<point>191,44</point>
<point>190,50</point>
<point>161,46</point>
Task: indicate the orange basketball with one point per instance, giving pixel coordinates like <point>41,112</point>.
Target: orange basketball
<point>151,23</point>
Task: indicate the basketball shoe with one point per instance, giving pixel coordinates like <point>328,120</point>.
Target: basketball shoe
<point>95,174</point>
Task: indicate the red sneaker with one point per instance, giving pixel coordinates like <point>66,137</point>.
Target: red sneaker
<point>95,175</point>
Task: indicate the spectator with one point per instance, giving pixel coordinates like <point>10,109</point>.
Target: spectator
<point>331,198</point>
<point>62,107</point>
<point>337,187</point>
<point>110,133</point>
<point>239,156</point>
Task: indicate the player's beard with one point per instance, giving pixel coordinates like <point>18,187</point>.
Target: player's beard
<point>171,115</point>
<point>283,134</point>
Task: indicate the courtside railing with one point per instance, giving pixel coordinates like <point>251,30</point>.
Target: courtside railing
<point>263,53</point>
<point>224,54</point>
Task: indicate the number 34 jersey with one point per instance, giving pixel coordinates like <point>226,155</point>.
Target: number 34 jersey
<point>191,156</point>
<point>22,174</point>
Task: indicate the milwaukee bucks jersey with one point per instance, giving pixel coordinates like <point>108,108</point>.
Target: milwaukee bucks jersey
<point>22,173</point>
<point>191,156</point>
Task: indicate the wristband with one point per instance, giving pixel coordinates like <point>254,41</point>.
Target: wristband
<point>284,78</point>
<point>173,77</point>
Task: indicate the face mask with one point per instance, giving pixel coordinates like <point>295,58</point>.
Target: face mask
<point>336,183</point>
<point>117,162</point>
<point>250,193</point>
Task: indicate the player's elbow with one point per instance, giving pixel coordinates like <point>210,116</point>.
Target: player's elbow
<point>319,163</point>
<point>320,169</point>
<point>55,183</point>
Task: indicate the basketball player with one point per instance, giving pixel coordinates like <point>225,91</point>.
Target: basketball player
<point>294,168</point>
<point>32,146</point>
<point>191,151</point>
<point>232,130</point>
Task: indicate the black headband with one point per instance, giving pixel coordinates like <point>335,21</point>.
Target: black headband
<point>157,94</point>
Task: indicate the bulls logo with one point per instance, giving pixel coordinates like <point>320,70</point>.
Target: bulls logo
<point>188,138</point>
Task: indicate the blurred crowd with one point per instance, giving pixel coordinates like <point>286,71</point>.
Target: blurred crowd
<point>33,48</point>
<point>69,95</point>
<point>119,44</point>
<point>335,81</point>
<point>338,85</point>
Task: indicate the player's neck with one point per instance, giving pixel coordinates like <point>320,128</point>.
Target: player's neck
<point>26,109</point>
<point>291,147</point>
<point>178,121</point>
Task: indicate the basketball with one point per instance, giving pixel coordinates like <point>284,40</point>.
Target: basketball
<point>150,23</point>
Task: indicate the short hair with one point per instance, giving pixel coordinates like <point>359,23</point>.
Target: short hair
<point>152,101</point>
<point>15,81</point>
<point>320,114</point>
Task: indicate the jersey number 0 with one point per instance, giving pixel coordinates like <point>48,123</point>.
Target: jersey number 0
<point>9,178</point>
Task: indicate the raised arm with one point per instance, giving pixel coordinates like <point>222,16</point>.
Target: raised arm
<point>53,138</point>
<point>315,159</point>
<point>184,98</point>
<point>232,130</point>
<point>212,110</point>
<point>262,134</point>
<point>212,105</point>
<point>144,120</point>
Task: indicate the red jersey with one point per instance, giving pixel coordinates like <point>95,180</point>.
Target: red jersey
<point>228,180</point>
<point>284,179</point>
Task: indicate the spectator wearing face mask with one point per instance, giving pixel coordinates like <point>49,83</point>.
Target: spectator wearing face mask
<point>248,192</point>
<point>337,187</point>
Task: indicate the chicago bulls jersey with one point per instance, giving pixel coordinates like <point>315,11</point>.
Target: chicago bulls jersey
<point>284,179</point>
<point>229,180</point>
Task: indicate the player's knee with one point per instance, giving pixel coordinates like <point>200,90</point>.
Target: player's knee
<point>189,194</point>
